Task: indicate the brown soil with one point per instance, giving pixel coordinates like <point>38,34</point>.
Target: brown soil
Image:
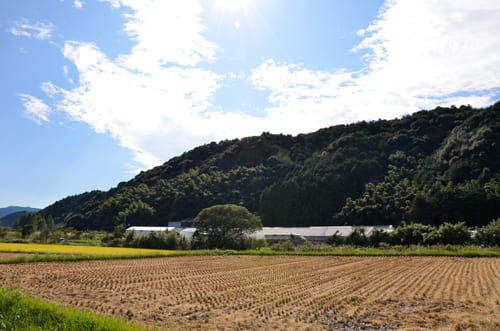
<point>276,292</point>
<point>6,256</point>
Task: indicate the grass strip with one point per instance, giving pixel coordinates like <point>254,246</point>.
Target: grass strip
<point>19,311</point>
<point>454,251</point>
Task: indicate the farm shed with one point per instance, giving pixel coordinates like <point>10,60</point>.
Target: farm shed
<point>146,230</point>
<point>185,223</point>
<point>384,228</point>
<point>187,232</point>
<point>315,234</point>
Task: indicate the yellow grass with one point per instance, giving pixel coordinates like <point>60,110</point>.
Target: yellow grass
<point>85,250</point>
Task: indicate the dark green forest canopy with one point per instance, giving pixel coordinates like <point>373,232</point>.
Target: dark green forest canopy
<point>429,167</point>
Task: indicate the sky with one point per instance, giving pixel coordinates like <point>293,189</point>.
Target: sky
<point>94,91</point>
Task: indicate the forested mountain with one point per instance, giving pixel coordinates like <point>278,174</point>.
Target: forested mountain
<point>9,220</point>
<point>430,167</point>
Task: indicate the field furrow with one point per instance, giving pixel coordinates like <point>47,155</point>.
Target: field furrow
<point>276,292</point>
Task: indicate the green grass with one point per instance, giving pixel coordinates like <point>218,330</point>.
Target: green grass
<point>448,250</point>
<point>19,311</point>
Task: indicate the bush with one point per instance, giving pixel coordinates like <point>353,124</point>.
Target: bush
<point>3,232</point>
<point>379,237</point>
<point>284,246</point>
<point>335,239</point>
<point>356,238</point>
<point>454,234</point>
<point>27,230</point>
<point>253,243</point>
<point>169,240</point>
<point>489,235</point>
<point>411,234</point>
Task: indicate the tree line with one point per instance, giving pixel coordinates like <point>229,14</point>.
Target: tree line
<point>231,227</point>
<point>424,235</point>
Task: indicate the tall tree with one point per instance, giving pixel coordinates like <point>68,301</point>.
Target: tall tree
<point>226,226</point>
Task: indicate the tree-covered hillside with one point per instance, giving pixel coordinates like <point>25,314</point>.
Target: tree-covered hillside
<point>430,167</point>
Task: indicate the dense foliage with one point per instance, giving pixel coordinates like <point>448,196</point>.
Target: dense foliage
<point>226,226</point>
<point>430,167</point>
<point>424,235</point>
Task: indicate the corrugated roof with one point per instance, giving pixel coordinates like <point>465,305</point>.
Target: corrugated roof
<point>313,231</point>
<point>302,232</point>
<point>151,228</point>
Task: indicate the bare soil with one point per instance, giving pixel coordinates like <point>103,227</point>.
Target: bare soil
<point>276,292</point>
<point>7,256</point>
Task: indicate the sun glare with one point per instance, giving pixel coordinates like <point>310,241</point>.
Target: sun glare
<point>232,3</point>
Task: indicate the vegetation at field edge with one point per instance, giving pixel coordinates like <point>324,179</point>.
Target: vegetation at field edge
<point>19,311</point>
<point>315,250</point>
<point>448,250</point>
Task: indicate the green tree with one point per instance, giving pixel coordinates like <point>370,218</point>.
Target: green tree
<point>30,219</point>
<point>44,231</point>
<point>137,213</point>
<point>27,230</point>
<point>335,239</point>
<point>51,224</point>
<point>357,237</point>
<point>454,234</point>
<point>378,237</point>
<point>3,231</point>
<point>411,234</point>
<point>489,235</point>
<point>226,226</point>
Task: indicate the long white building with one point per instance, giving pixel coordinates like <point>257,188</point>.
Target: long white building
<point>315,234</point>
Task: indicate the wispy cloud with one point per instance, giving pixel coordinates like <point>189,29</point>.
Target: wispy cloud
<point>38,30</point>
<point>35,108</point>
<point>77,4</point>
<point>422,54</point>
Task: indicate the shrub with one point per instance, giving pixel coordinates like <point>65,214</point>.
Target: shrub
<point>454,234</point>
<point>284,246</point>
<point>169,240</point>
<point>489,235</point>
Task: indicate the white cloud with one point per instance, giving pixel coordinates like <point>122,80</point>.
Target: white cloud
<point>38,30</point>
<point>148,113</point>
<point>422,54</point>
<point>153,100</point>
<point>77,4</point>
<point>35,109</point>
<point>166,32</point>
<point>304,100</point>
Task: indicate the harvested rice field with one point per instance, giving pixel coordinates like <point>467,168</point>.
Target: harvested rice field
<point>276,292</point>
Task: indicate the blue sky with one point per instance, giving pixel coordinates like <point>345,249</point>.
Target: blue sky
<point>94,91</point>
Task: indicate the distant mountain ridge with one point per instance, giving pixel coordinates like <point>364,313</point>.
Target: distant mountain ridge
<point>13,209</point>
<point>9,215</point>
<point>431,167</point>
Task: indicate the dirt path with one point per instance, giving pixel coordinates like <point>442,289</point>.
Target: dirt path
<point>279,292</point>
